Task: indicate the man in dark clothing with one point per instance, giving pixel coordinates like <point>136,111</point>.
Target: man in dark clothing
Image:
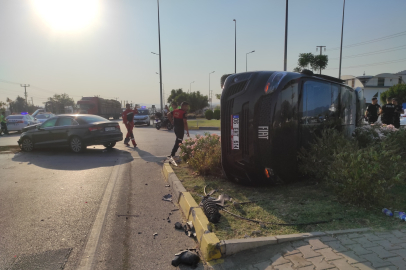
<point>128,120</point>
<point>178,119</point>
<point>372,111</point>
<point>398,112</point>
<point>388,112</point>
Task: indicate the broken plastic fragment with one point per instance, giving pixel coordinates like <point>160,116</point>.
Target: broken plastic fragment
<point>186,257</point>
<point>167,197</point>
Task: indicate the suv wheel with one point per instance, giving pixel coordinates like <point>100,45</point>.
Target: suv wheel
<point>27,145</point>
<point>76,145</point>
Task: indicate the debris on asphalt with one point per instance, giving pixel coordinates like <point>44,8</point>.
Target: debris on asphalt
<point>167,185</point>
<point>155,234</point>
<point>146,184</point>
<point>169,221</point>
<point>139,232</point>
<point>189,229</point>
<point>175,210</point>
<point>186,257</point>
<point>178,226</point>
<point>167,197</point>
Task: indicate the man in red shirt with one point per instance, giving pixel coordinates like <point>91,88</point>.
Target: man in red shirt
<point>128,120</point>
<point>178,119</point>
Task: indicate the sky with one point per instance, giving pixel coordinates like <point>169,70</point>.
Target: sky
<point>103,47</point>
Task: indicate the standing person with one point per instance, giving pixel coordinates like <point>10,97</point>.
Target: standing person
<point>387,112</point>
<point>173,106</point>
<point>179,121</point>
<point>166,110</point>
<point>372,111</point>
<point>3,123</point>
<point>128,120</point>
<point>398,112</point>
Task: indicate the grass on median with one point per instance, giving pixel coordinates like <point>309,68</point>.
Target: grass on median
<point>203,123</point>
<point>301,202</point>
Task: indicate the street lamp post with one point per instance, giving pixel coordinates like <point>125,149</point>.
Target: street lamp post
<point>235,44</point>
<point>190,89</point>
<point>160,60</point>
<point>246,65</point>
<point>341,46</point>
<point>285,58</point>
<point>209,84</point>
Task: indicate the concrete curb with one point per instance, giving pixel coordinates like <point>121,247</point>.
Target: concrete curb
<point>211,247</point>
<point>204,128</point>
<point>209,244</point>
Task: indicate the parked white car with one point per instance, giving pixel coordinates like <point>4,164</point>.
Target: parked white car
<point>18,122</point>
<point>42,117</point>
<point>142,117</point>
<point>403,119</point>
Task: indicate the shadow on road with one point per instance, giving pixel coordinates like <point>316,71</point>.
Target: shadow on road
<point>147,156</point>
<point>63,159</point>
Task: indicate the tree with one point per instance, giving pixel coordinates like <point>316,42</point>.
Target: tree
<point>196,100</point>
<point>18,105</point>
<point>308,60</point>
<point>216,114</point>
<point>63,99</point>
<point>320,62</point>
<point>218,96</point>
<point>397,91</point>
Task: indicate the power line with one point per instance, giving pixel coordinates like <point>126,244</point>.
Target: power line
<point>373,52</point>
<point>372,40</point>
<point>375,64</point>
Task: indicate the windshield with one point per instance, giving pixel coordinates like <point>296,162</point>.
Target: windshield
<point>15,117</point>
<point>93,118</point>
<point>143,112</point>
<point>43,116</point>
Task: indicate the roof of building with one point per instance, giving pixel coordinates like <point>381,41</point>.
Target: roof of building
<point>401,73</point>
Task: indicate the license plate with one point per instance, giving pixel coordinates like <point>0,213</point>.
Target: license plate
<point>235,132</point>
<point>109,128</point>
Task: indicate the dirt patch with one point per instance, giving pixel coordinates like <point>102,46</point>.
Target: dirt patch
<point>10,149</point>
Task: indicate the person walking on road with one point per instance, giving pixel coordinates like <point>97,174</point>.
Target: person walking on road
<point>372,111</point>
<point>3,123</point>
<point>387,112</point>
<point>178,119</point>
<point>398,112</point>
<point>128,120</point>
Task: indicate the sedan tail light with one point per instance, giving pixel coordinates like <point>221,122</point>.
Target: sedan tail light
<point>94,128</point>
<point>118,127</point>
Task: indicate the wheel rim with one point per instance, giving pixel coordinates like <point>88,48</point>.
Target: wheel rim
<point>76,145</point>
<point>27,145</point>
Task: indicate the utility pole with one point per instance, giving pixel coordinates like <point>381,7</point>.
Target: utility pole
<point>25,93</point>
<point>32,101</point>
<point>341,46</point>
<point>321,51</point>
<point>211,99</point>
<point>160,63</point>
<point>235,45</point>
<point>285,58</point>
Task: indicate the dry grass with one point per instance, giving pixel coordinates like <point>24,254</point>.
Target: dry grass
<point>303,202</point>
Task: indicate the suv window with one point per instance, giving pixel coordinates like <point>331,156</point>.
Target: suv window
<point>49,123</point>
<point>66,121</point>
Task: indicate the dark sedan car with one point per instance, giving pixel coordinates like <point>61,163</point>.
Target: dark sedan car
<point>74,131</point>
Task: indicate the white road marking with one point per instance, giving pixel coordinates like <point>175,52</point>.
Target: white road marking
<point>89,255</point>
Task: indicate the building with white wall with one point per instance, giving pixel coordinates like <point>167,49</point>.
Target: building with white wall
<point>374,85</point>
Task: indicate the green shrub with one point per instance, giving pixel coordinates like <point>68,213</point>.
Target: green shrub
<point>203,153</point>
<point>208,114</point>
<point>316,159</point>
<point>216,114</point>
<point>360,170</point>
<point>364,176</point>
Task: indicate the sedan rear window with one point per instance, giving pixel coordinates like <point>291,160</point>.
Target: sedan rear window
<point>15,117</point>
<point>93,118</point>
<point>43,116</point>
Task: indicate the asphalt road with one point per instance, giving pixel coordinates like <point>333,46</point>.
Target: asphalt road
<point>96,210</point>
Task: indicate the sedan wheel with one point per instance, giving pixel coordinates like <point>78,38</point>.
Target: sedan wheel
<point>109,145</point>
<point>76,145</point>
<point>27,145</point>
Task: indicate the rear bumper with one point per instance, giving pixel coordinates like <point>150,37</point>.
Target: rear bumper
<point>143,121</point>
<point>99,140</point>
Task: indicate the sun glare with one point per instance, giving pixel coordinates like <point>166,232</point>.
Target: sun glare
<point>67,15</point>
